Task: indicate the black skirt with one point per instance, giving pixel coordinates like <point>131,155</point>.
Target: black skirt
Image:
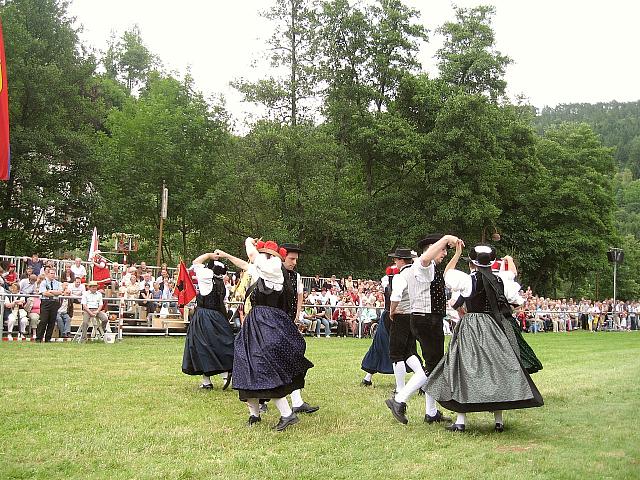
<point>269,359</point>
<point>208,348</point>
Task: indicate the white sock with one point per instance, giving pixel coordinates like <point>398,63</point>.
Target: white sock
<point>462,418</point>
<point>430,405</point>
<point>224,375</point>
<point>296,398</point>
<point>368,377</point>
<point>400,371</point>
<point>498,416</point>
<point>206,380</point>
<point>254,408</point>
<point>283,406</point>
<point>419,378</point>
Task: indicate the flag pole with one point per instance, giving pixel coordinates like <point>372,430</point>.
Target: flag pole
<point>163,215</point>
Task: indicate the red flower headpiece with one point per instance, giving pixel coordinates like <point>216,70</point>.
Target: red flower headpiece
<point>271,248</point>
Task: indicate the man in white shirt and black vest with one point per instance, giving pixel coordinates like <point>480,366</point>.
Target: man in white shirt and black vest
<point>51,289</point>
<point>293,309</point>
<point>426,290</point>
<point>402,342</point>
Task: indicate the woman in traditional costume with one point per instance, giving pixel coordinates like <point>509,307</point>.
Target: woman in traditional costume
<point>208,348</point>
<point>482,370</point>
<point>269,361</point>
<point>377,359</point>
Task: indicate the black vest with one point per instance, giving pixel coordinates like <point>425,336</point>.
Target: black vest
<point>291,292</point>
<point>215,299</point>
<point>438,296</point>
<point>387,294</point>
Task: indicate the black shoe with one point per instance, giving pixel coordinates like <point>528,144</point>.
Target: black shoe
<point>438,417</point>
<point>284,422</point>
<point>398,409</point>
<point>206,386</point>
<point>227,382</point>
<point>253,420</point>
<point>455,427</point>
<point>421,392</point>
<point>305,408</point>
<point>366,383</point>
<point>499,427</point>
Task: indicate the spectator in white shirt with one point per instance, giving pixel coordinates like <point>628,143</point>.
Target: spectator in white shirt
<point>78,269</point>
<point>92,309</point>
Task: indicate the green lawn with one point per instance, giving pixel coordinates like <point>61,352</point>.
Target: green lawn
<point>126,411</point>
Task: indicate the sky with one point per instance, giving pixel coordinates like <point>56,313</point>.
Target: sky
<point>564,51</point>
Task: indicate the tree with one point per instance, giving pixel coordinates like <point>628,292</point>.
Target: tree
<point>468,57</point>
<point>50,196</point>
<point>128,60</point>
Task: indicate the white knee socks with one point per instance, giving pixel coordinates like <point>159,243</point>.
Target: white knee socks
<point>430,405</point>
<point>254,408</point>
<point>283,406</point>
<point>400,371</point>
<point>498,416</point>
<point>206,380</point>
<point>418,379</point>
<point>462,418</point>
<point>369,376</point>
<point>296,398</point>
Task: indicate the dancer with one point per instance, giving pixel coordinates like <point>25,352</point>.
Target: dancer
<point>402,342</point>
<point>377,359</point>
<point>208,348</point>
<point>481,370</point>
<point>269,359</point>
<point>425,285</point>
<point>293,308</point>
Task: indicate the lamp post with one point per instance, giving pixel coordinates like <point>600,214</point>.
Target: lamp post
<point>615,256</point>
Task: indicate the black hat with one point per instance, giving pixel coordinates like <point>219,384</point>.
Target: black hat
<point>403,253</point>
<point>482,255</point>
<point>429,240</point>
<point>292,247</point>
<point>219,268</point>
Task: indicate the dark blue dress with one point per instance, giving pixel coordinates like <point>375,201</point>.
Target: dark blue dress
<point>269,359</point>
<point>377,358</point>
<point>208,347</point>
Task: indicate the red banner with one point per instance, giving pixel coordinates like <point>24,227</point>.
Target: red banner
<point>185,291</point>
<point>4,115</point>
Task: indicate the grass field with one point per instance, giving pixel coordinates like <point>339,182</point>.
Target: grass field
<point>126,411</point>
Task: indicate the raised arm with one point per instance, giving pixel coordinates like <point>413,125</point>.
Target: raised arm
<point>456,256</point>
<point>432,252</point>
<point>238,262</point>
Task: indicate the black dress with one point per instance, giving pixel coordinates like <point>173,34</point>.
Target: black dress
<point>482,370</point>
<point>208,348</point>
<point>269,359</point>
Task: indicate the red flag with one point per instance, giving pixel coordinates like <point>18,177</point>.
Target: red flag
<point>5,155</point>
<point>184,291</point>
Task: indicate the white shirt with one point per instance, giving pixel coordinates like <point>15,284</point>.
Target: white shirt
<point>79,271</point>
<point>77,291</point>
<point>204,276</point>
<point>269,269</point>
<point>27,287</point>
<point>92,301</point>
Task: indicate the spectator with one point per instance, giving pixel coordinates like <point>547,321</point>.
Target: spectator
<point>316,283</point>
<point>11,276</point>
<point>367,317</point>
<point>146,306</point>
<point>77,290</point>
<point>28,272</point>
<point>92,307</point>
<point>79,270</point>
<point>320,316</point>
<point>27,286</point>
<point>35,263</point>
<point>68,275</point>
<point>14,308</point>
<point>65,312</point>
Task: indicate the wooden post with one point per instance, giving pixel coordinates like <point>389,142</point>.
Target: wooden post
<point>163,215</point>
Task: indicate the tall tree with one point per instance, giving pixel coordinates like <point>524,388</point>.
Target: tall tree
<point>129,60</point>
<point>468,57</point>
<point>49,198</point>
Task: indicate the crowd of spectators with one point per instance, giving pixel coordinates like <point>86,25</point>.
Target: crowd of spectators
<point>346,306</point>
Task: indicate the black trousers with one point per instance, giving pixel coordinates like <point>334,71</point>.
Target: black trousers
<point>48,313</point>
<point>427,328</point>
<point>402,342</point>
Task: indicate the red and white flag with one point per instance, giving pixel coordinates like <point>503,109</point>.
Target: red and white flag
<point>184,290</point>
<point>94,244</point>
<point>5,151</point>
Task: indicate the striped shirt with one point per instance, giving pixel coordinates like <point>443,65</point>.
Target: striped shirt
<point>418,279</point>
